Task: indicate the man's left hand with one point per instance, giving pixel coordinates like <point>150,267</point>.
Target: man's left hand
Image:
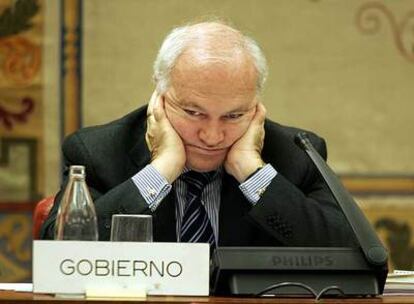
<point>244,156</point>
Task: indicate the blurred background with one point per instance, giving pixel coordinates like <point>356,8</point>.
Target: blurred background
<point>343,69</point>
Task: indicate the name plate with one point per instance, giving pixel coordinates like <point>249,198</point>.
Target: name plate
<point>74,267</point>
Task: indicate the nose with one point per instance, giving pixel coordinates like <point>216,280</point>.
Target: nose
<point>211,134</point>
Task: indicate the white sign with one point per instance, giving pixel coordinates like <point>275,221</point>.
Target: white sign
<point>74,267</point>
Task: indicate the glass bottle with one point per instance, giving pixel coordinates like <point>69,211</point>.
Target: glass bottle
<point>76,219</point>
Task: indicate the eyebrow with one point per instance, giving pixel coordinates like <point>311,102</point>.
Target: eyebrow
<point>191,105</point>
<point>197,107</point>
<point>242,109</point>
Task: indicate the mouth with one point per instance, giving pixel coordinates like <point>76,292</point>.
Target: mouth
<point>208,151</point>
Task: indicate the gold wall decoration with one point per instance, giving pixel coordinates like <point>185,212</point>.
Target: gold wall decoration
<point>9,117</point>
<point>21,132</point>
<point>368,21</point>
<point>21,59</point>
<point>15,247</point>
<point>71,84</point>
<point>392,218</point>
<point>21,117</point>
<point>18,171</point>
<point>398,235</point>
<point>374,185</point>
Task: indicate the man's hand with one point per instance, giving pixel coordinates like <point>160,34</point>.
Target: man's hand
<point>167,149</point>
<point>244,156</point>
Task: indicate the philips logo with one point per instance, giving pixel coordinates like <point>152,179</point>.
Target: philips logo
<point>303,261</point>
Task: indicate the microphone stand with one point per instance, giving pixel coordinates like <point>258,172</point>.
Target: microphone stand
<point>371,246</point>
<point>348,271</point>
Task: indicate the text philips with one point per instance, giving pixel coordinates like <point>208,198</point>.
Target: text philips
<point>303,261</point>
<point>120,268</point>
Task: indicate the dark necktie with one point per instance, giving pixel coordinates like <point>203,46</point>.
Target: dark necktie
<point>196,226</point>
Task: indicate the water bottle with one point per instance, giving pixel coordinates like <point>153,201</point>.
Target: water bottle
<point>76,218</point>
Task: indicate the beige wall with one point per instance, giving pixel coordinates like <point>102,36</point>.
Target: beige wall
<point>325,74</point>
<point>51,119</point>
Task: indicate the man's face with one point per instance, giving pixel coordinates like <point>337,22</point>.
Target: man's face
<point>210,107</point>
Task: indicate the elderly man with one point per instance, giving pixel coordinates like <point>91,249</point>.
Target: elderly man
<point>202,158</point>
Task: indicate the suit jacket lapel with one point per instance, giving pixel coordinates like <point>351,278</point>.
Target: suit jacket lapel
<point>164,220</point>
<point>140,154</point>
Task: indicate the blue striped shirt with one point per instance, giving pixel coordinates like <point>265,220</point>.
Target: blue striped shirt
<point>210,199</point>
<point>154,188</point>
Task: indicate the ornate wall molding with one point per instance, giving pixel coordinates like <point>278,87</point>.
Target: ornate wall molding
<point>17,17</point>
<point>9,117</point>
<point>30,147</point>
<point>398,239</point>
<point>21,57</point>
<point>22,60</point>
<point>366,185</point>
<point>15,247</point>
<point>71,29</point>
<point>368,21</point>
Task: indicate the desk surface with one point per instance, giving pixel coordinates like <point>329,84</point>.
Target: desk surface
<point>22,297</point>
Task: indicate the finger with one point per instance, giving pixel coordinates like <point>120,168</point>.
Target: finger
<point>152,102</point>
<point>159,108</point>
<point>260,114</point>
<point>257,124</point>
<point>151,123</point>
<point>148,141</point>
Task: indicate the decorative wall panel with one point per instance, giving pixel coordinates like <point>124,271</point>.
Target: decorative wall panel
<point>21,132</point>
<point>15,246</point>
<point>343,69</point>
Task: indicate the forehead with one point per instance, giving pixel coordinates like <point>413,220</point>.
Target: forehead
<point>196,78</point>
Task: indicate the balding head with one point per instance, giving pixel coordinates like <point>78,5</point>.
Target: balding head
<point>208,45</point>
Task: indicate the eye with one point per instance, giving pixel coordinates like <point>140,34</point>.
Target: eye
<point>233,115</point>
<point>192,113</point>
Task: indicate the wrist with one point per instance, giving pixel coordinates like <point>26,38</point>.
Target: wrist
<point>242,170</point>
<point>169,168</point>
<point>254,172</point>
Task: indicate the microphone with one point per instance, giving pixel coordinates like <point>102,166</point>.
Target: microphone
<point>345,271</point>
<point>371,246</point>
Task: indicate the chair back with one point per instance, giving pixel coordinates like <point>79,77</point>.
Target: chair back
<point>40,214</point>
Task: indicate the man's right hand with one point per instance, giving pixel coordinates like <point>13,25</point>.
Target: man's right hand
<point>166,147</point>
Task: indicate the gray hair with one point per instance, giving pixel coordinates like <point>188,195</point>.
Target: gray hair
<point>180,38</point>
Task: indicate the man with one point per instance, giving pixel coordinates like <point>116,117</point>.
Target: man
<point>206,115</point>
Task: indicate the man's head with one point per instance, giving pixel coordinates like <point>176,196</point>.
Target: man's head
<point>210,76</point>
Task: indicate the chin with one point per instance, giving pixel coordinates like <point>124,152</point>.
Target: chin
<point>203,166</point>
<point>204,163</point>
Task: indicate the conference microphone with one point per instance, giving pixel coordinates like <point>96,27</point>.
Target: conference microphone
<point>320,271</point>
<point>371,246</point>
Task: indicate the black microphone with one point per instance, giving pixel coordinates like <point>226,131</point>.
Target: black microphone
<point>371,246</point>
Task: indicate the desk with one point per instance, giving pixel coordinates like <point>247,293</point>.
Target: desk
<point>22,298</point>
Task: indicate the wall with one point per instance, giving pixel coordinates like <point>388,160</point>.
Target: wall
<point>326,73</point>
<point>343,69</point>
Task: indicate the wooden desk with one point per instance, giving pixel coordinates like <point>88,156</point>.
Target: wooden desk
<point>22,298</point>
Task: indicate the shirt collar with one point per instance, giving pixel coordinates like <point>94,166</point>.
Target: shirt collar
<point>219,172</point>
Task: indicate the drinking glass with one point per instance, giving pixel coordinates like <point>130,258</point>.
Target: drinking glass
<point>131,228</point>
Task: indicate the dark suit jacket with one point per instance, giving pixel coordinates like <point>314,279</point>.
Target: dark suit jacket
<point>297,208</point>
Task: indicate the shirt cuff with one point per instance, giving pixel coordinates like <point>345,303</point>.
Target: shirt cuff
<point>254,187</point>
<point>152,186</point>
